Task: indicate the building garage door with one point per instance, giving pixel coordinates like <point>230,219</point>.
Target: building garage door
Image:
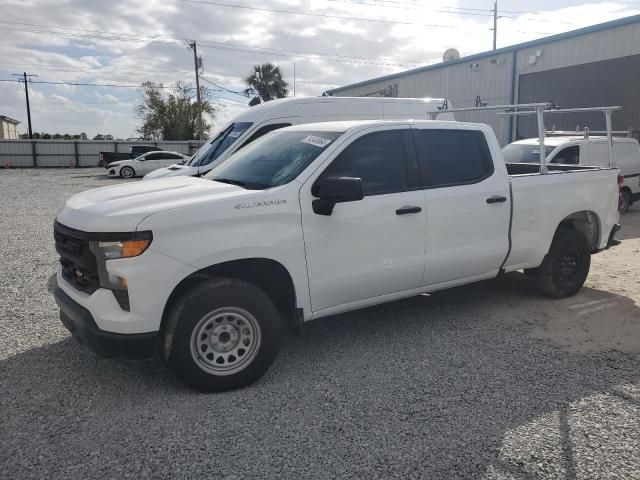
<point>608,82</point>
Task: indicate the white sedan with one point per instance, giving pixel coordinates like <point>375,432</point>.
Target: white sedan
<point>144,164</point>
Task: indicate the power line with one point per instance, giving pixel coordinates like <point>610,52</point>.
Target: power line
<point>404,6</point>
<point>85,70</point>
<point>113,85</point>
<point>420,4</point>
<point>115,36</point>
<point>309,14</point>
<point>242,94</point>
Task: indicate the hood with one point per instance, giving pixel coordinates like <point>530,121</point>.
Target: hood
<point>175,170</point>
<point>120,208</point>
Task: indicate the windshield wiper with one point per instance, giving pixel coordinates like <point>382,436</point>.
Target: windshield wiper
<point>240,183</point>
<point>231,181</point>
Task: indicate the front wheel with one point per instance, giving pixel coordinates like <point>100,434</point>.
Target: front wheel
<point>566,266</point>
<point>127,172</point>
<point>221,335</point>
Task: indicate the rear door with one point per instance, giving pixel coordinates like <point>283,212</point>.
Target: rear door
<point>467,203</point>
<point>373,246</point>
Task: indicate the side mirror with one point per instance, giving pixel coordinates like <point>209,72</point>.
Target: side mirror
<point>332,190</point>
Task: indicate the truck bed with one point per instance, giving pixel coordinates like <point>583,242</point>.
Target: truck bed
<point>541,202</point>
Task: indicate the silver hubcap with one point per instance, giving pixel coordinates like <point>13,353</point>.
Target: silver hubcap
<point>126,173</point>
<point>225,341</point>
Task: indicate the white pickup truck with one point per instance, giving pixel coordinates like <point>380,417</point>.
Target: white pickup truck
<point>309,221</point>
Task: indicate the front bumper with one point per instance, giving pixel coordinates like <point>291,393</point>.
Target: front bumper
<point>79,321</point>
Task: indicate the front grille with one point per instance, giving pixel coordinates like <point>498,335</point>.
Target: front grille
<point>78,263</point>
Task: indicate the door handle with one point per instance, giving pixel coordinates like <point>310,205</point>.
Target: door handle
<point>408,209</point>
<point>496,199</point>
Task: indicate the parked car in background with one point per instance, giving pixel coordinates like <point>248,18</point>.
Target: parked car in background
<point>135,151</point>
<point>310,221</point>
<point>585,150</point>
<point>145,163</point>
<point>267,117</point>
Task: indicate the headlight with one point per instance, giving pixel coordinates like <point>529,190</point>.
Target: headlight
<point>112,248</point>
<point>123,249</point>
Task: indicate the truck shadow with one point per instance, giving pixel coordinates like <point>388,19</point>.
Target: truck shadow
<point>429,386</point>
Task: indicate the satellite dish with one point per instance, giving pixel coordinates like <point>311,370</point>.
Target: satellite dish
<point>450,54</point>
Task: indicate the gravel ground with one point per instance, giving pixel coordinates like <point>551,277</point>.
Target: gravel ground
<point>484,381</point>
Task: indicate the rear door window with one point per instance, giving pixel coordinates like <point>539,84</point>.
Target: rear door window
<point>452,157</point>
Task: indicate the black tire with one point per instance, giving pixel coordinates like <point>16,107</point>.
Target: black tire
<point>625,201</point>
<point>127,172</point>
<point>566,266</point>
<point>215,297</point>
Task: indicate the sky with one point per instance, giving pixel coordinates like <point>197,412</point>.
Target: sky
<point>330,42</point>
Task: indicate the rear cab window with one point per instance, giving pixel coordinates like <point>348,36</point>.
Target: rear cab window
<point>452,157</point>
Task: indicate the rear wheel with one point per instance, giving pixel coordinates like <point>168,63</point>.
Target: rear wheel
<point>221,335</point>
<point>127,172</point>
<point>625,201</point>
<point>566,266</point>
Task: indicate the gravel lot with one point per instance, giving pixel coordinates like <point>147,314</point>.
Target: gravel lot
<point>487,381</point>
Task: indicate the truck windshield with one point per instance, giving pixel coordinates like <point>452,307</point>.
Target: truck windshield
<point>272,160</point>
<point>216,147</point>
<point>520,153</point>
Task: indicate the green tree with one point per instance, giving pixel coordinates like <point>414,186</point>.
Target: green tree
<point>267,80</point>
<point>174,115</point>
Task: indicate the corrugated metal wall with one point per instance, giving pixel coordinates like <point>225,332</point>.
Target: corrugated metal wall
<point>608,82</point>
<point>65,153</point>
<point>490,77</point>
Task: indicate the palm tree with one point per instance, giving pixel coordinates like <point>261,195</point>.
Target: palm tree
<point>267,80</point>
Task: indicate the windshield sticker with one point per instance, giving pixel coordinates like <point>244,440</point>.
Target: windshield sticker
<point>234,134</point>
<point>316,141</point>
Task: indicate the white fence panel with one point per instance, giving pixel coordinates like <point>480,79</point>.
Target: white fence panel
<point>71,153</point>
<point>15,153</point>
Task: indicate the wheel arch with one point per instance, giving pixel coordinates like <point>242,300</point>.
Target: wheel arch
<point>267,274</point>
<point>587,222</point>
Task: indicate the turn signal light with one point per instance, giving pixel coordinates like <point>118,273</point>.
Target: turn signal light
<point>133,248</point>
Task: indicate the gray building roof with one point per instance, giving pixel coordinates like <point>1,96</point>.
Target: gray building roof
<point>9,119</point>
<point>533,43</point>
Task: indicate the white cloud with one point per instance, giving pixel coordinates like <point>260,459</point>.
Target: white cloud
<point>363,49</point>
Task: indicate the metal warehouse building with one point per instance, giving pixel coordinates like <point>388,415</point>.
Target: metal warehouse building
<point>592,66</point>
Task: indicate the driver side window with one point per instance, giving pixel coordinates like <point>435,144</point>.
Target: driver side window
<point>568,156</point>
<point>379,159</point>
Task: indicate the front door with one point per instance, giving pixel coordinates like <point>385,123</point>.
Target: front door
<point>373,246</point>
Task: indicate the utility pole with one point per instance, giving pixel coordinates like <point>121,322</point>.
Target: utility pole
<point>196,62</point>
<point>495,23</point>
<point>26,93</point>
